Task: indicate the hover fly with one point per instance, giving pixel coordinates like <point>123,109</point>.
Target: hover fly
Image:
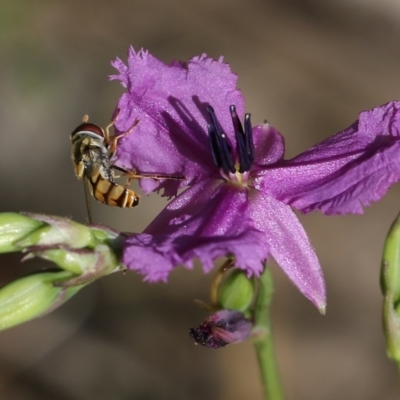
<point>92,151</point>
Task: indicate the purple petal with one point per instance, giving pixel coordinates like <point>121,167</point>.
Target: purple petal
<point>207,221</point>
<point>345,172</point>
<point>289,246</point>
<point>155,256</point>
<point>269,145</point>
<point>170,102</point>
<point>152,257</point>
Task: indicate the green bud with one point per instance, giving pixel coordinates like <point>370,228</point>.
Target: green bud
<point>72,260</point>
<point>236,291</point>
<point>390,284</point>
<point>88,264</point>
<point>59,231</point>
<point>33,296</point>
<point>13,227</point>
<point>390,273</point>
<point>104,233</point>
<point>83,253</point>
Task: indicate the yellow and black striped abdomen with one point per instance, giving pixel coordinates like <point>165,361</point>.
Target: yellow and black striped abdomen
<point>111,193</point>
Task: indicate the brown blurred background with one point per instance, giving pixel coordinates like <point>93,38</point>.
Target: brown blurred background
<point>309,67</point>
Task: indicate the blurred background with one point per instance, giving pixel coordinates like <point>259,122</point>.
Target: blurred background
<point>309,67</point>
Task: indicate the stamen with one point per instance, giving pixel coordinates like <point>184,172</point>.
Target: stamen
<point>248,131</point>
<point>220,148</point>
<point>244,140</point>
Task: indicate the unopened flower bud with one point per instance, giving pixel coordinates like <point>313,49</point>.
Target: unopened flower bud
<point>83,253</point>
<point>13,227</point>
<point>87,264</point>
<point>33,296</point>
<point>236,291</point>
<point>58,230</point>
<point>222,328</point>
<point>72,260</point>
<point>390,284</point>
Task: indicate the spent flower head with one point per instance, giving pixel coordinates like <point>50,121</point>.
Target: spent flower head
<point>222,328</point>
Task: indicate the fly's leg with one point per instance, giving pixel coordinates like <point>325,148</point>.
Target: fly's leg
<point>112,141</point>
<point>108,127</point>
<point>131,175</point>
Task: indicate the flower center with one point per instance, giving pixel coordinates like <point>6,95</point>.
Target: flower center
<point>232,168</point>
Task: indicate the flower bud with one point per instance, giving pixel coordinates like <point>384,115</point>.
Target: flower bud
<point>83,253</point>
<point>58,230</point>
<point>13,227</point>
<point>222,328</point>
<point>88,264</point>
<point>390,284</point>
<point>33,296</point>
<point>236,291</point>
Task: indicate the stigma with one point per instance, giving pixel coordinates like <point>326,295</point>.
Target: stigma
<point>234,164</point>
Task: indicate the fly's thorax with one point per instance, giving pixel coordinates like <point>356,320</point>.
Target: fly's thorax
<point>82,142</point>
<point>90,155</point>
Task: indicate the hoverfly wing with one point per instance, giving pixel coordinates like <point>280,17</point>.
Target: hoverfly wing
<point>88,194</point>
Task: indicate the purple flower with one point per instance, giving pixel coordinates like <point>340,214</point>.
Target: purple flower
<point>189,125</point>
<point>222,328</point>
<point>238,187</point>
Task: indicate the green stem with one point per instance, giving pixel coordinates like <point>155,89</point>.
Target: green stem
<point>263,342</point>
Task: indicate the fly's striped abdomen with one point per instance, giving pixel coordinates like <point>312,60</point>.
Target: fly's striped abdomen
<point>111,193</point>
